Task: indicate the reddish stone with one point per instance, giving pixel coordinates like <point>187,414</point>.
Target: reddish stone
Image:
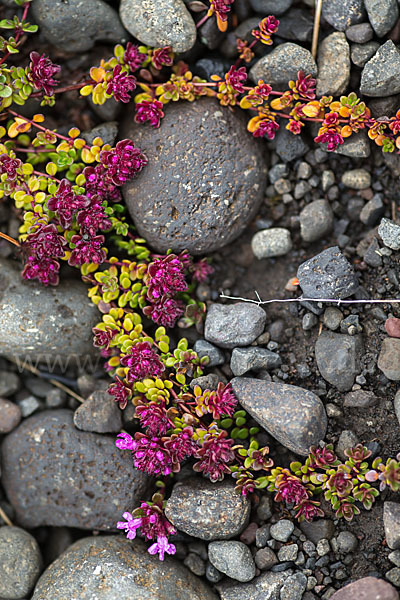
<point>392,326</point>
<point>368,588</point>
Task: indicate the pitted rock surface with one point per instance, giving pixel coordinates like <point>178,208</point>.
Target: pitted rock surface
<point>295,417</point>
<point>198,192</point>
<point>47,324</point>
<point>106,568</point>
<point>54,474</point>
<point>210,511</point>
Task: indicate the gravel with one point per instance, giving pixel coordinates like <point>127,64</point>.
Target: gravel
<point>271,242</point>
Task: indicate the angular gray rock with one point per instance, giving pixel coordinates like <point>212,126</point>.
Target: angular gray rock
<point>360,399</point>
<point>316,220</point>
<point>389,358</point>
<point>253,359</point>
<point>320,529</point>
<point>47,324</point>
<point>327,275</point>
<point>20,562</point>
<point>341,14</point>
<point>209,511</point>
<point>77,25</point>
<point>356,146</point>
<point>282,530</point>
<point>360,34</point>
<point>362,53</point>
<point>209,192</point>
<point>282,65</point>
<point>204,348</point>
<point>294,587</point>
<point>294,416</point>
<point>161,23</point>
<point>268,243</point>
<point>10,416</point>
<point>274,7</point>
<point>381,74</point>
<point>289,146</point>
<point>382,15</point>
<point>390,234</point>
<point>391,522</point>
<point>112,567</point>
<point>296,25</point>
<point>231,325</point>
<point>338,358</point>
<point>233,559</point>
<point>367,588</point>
<point>99,414</point>
<point>265,587</point>
<point>54,474</point>
<point>333,65</point>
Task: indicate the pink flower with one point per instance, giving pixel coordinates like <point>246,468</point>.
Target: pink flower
<point>132,57</point>
<point>120,392</point>
<point>123,162</point>
<point>215,454</point>
<point>181,445</point>
<point>126,441</point>
<point>162,546</point>
<point>98,183</point>
<point>202,270</point>
<point>93,217</point>
<point>9,165</point>
<point>266,128</point>
<point>42,71</point>
<point>165,277</point>
<point>165,312</point>
<point>162,57</point>
<point>130,526</point>
<point>149,453</point>
<point>236,78</point>
<point>334,139</point>
<point>305,86</point>
<point>149,111</point>
<point>87,249</point>
<point>120,85</point>
<point>142,362</point>
<point>153,417</point>
<point>154,522</point>
<point>308,510</point>
<point>44,269</point>
<point>46,242</point>
<point>65,203</point>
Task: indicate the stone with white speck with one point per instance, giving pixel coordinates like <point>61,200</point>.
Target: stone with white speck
<point>269,243</point>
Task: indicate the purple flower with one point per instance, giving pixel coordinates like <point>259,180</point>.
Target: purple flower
<point>153,417</point>
<point>149,454</point>
<point>149,111</point>
<point>103,337</point>
<point>223,401</point>
<point>9,165</point>
<point>154,523</point>
<point>92,218</point>
<point>126,442</point>
<point>130,526</point>
<point>132,57</point>
<point>87,249</point>
<point>181,445</point>
<point>166,312</point>
<point>44,269</point>
<point>42,71</point>
<point>162,546</point>
<point>215,454</point>
<point>162,57</point>
<point>123,162</point>
<point>202,270</point>
<point>65,203</point>
<point>120,392</point>
<point>142,362</point>
<point>120,85</point>
<point>98,183</point>
<point>165,277</point>
<point>266,128</point>
<point>46,242</point>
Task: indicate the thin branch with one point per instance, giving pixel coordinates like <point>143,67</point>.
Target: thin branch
<point>9,239</point>
<point>5,518</point>
<point>337,301</point>
<point>317,21</point>
<point>54,382</point>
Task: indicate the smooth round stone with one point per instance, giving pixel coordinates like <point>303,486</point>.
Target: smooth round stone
<point>198,192</point>
<point>392,326</point>
<point>159,23</point>
<point>360,33</point>
<point>367,588</point>
<point>232,558</point>
<point>333,65</point>
<point>357,179</point>
<point>209,511</point>
<point>10,416</point>
<point>54,474</point>
<point>275,7</point>
<point>341,14</point>
<point>75,26</point>
<point>271,242</point>
<point>51,324</point>
<point>99,414</point>
<point>110,568</point>
<point>282,65</point>
<point>20,563</point>
<point>316,220</point>
<point>389,358</point>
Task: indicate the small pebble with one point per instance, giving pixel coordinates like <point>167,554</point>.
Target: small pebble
<point>357,179</point>
<point>271,242</point>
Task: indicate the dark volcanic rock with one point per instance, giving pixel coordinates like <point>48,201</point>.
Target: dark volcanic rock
<point>54,474</point>
<point>327,275</point>
<point>282,64</point>
<point>44,323</point>
<point>233,325</point>
<point>382,15</point>
<point>338,358</point>
<point>341,14</point>
<point>99,413</point>
<point>75,26</point>
<point>107,568</point>
<point>295,417</point>
<point>197,192</point>
<point>381,74</point>
<point>210,511</point>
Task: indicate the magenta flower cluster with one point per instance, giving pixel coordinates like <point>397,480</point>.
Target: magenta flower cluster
<point>42,71</point>
<point>142,361</point>
<point>165,278</point>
